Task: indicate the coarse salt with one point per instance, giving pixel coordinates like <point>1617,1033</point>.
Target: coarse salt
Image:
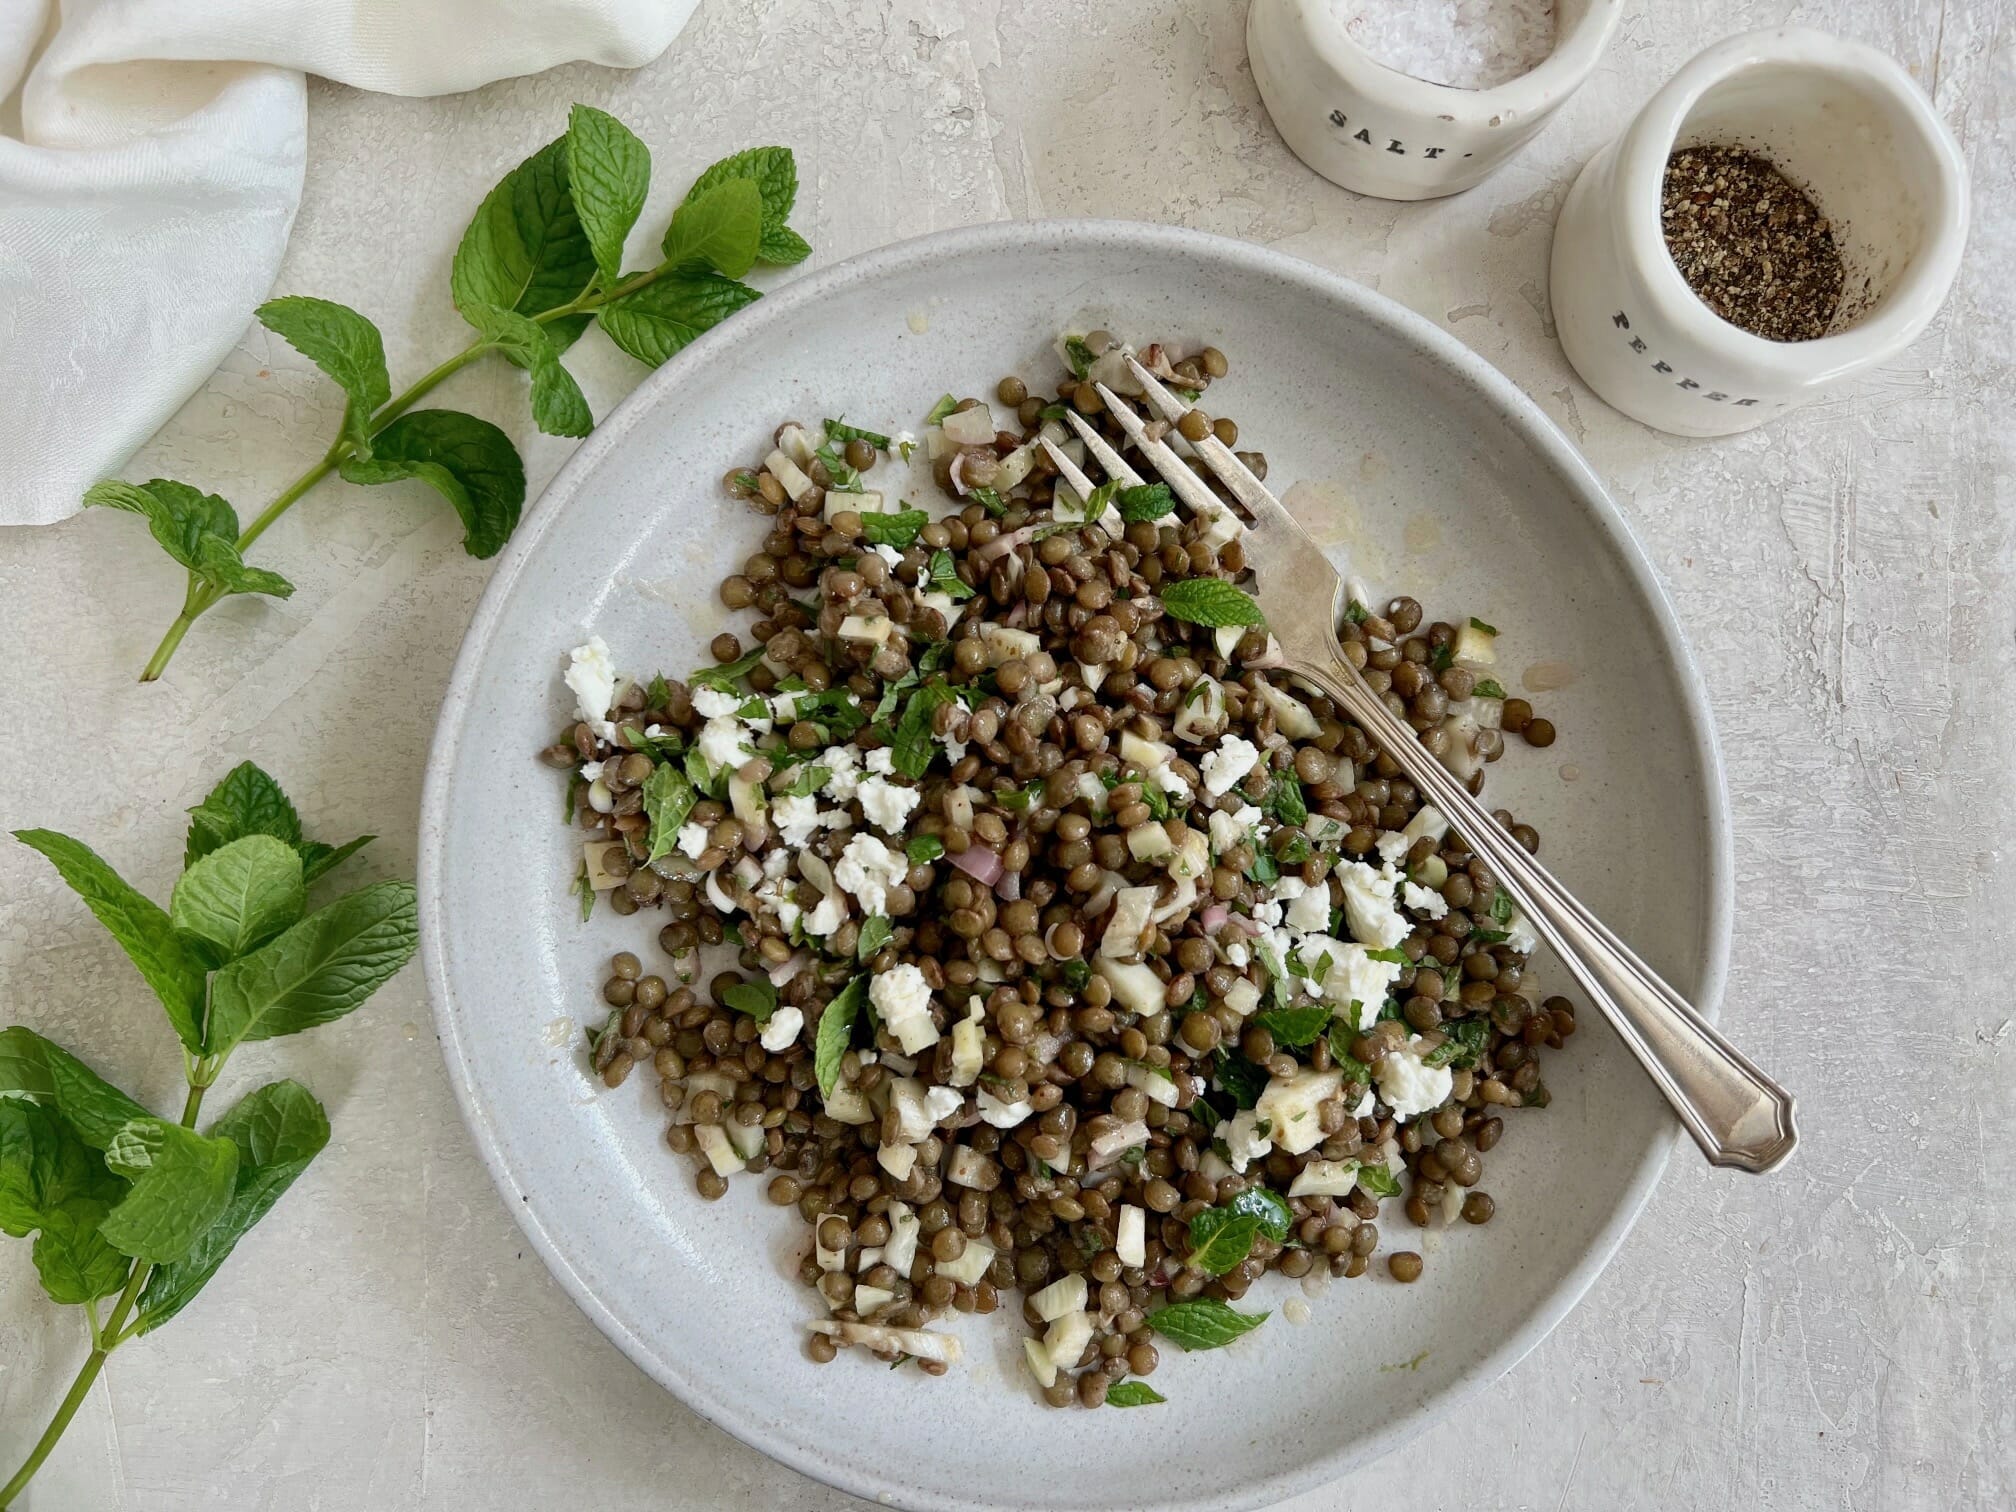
<point>1465,44</point>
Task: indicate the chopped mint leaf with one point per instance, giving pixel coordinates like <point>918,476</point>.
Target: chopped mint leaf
<point>1356,612</point>
<point>1211,602</point>
<point>989,500</point>
<point>875,932</point>
<point>1295,1027</point>
<point>942,576</point>
<point>945,405</point>
<point>725,677</point>
<point>1078,355</point>
<point>1150,501</point>
<point>1477,624</point>
<point>924,848</point>
<point>1379,1181</point>
<point>899,530</point>
<point>755,997</point>
<point>1204,1323</point>
<point>1133,1394</point>
<point>1220,1239</point>
<point>837,431</point>
<point>1488,688</point>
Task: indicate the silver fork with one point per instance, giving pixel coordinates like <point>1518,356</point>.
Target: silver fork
<point>1738,1116</point>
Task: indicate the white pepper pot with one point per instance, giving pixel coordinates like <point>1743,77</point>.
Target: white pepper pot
<point>1375,130</point>
<point>1846,125</point>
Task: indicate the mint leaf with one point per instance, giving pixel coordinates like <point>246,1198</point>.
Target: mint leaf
<point>836,1030</point>
<point>345,346</point>
<point>941,576</point>
<point>42,1071</point>
<point>1133,1394</point>
<point>668,798</point>
<point>1202,1324</point>
<point>1342,1036</point>
<point>774,171</point>
<point>1267,1205</point>
<point>558,406</point>
<point>525,250</point>
<point>899,530</point>
<point>727,674</point>
<point>659,319</point>
<point>1220,1239</point>
<point>1211,602</point>
<point>1392,955</point>
<point>1488,687</point>
<point>945,405</point>
<point>239,896</point>
<point>245,802</point>
<point>609,172</point>
<point>219,564</point>
<point>924,848</point>
<point>140,926</point>
<point>278,1130</point>
<point>182,1182</point>
<point>1295,1027</point>
<point>781,246</point>
<point>1468,1040</point>
<point>1477,624</point>
<point>875,932</point>
<point>1078,355</point>
<point>756,997</point>
<point>1285,799</point>
<point>317,971</point>
<point>838,430</point>
<point>911,749</point>
<point>718,228</point>
<point>71,1257</point>
<point>317,859</point>
<point>1238,1078</point>
<point>469,462</point>
<point>177,515</point>
<point>1150,501</point>
<point>1379,1181</point>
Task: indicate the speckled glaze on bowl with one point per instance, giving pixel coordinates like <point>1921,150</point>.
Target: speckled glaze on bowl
<point>1428,473</point>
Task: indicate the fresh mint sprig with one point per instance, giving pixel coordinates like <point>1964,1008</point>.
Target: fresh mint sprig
<point>541,261</point>
<point>142,1209</point>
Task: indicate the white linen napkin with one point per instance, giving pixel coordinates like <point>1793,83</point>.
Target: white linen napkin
<point>151,173</point>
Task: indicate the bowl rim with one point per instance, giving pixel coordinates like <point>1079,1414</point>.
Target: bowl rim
<point>1512,405</point>
<point>1578,49</point>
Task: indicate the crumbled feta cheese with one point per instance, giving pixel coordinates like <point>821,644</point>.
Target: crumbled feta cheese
<point>1291,1106</point>
<point>1232,760</point>
<point>827,917</point>
<point>1226,831</point>
<point>1246,816</point>
<point>1171,782</point>
<point>715,703</point>
<point>591,676</point>
<point>868,869</point>
<point>796,819</point>
<point>1365,1105</point>
<point>1409,1086</point>
<point>1002,1115</point>
<point>1350,976</point>
<point>882,761</point>
<point>843,769</point>
<point>1520,934</point>
<point>889,553</point>
<point>1238,956</point>
<point>1392,846</point>
<point>1244,1143</point>
<point>724,743</point>
<point>1368,904</point>
<point>955,750</point>
<point>942,1102</point>
<point>693,840</point>
<point>903,1000</point>
<point>1310,911</point>
<point>781,1033</point>
<point>887,805</point>
<point>591,771</point>
<point>1424,900</point>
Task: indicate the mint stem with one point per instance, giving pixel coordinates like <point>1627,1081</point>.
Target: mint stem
<point>107,1339</point>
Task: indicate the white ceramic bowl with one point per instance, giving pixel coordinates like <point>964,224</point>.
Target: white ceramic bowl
<point>1842,121</point>
<point>1444,481</point>
<point>1379,131</point>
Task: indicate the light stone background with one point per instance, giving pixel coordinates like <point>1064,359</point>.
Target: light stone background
<point>1841,1335</point>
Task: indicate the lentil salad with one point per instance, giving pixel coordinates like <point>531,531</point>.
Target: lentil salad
<point>1078,953</point>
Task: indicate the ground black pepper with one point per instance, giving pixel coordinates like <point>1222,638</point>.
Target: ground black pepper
<point>1750,244</point>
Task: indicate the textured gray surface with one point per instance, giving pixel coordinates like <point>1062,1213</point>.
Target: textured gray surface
<point>1839,1336</point>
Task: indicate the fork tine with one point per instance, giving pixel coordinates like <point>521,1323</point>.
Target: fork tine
<point>1174,470</point>
<point>1216,455</point>
<point>1109,459</point>
<point>1082,485</point>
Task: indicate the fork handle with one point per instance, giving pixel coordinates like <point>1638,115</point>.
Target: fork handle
<point>1737,1115</point>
